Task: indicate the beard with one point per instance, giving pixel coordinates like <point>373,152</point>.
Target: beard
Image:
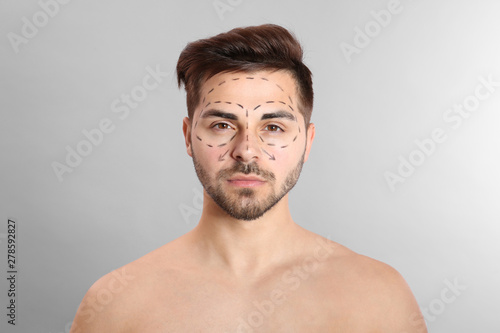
<point>246,204</point>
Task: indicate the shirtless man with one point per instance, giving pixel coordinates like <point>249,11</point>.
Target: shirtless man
<point>247,266</point>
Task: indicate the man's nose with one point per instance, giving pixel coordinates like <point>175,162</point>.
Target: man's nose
<point>246,147</point>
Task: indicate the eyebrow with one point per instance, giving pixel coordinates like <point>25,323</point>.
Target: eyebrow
<point>219,114</point>
<point>278,114</point>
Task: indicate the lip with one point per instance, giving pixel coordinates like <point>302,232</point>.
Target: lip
<point>246,181</point>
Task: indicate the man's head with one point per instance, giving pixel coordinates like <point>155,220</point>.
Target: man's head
<point>249,103</point>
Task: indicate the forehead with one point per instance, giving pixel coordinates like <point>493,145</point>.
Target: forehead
<point>250,88</point>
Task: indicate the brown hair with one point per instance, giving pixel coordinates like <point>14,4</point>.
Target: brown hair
<point>249,49</point>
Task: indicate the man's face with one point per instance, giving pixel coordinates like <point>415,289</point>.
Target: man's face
<point>248,140</point>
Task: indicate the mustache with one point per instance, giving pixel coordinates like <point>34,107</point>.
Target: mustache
<point>246,169</point>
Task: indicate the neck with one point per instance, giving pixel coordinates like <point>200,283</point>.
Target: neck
<point>245,248</point>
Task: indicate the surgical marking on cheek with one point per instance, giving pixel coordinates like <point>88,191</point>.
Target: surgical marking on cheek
<point>255,108</point>
<point>210,91</point>
<point>271,157</point>
<point>232,138</point>
<point>196,124</point>
<point>221,157</point>
<point>247,137</point>
<point>247,113</point>
<point>299,129</point>
<point>199,138</point>
<point>222,144</point>
<point>294,138</point>
<point>261,138</point>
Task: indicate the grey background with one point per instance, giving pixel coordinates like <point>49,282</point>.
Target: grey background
<point>126,198</point>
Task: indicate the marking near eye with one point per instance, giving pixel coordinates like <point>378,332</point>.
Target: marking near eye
<point>277,85</point>
<point>210,91</point>
<point>255,108</point>
<point>207,104</point>
<point>217,102</point>
<point>284,146</point>
<point>222,144</point>
<point>209,145</point>
<point>199,138</point>
<point>263,78</point>
<point>290,99</point>
<point>228,103</point>
<point>236,78</point>
<point>241,106</point>
<point>270,102</point>
<point>221,83</point>
<point>281,102</point>
<point>232,138</point>
<point>299,129</point>
<point>271,144</point>
<point>196,124</point>
<point>294,138</point>
<point>261,138</point>
<point>249,78</point>
<point>203,100</point>
<point>290,107</point>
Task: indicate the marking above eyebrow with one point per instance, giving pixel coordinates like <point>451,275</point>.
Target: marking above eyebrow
<point>263,78</point>
<point>210,91</point>
<point>249,77</point>
<point>222,83</point>
<point>222,144</point>
<point>279,87</point>
<point>290,99</point>
<point>270,102</point>
<point>207,104</point>
<point>282,102</point>
<point>232,138</point>
<point>209,145</point>
<point>278,114</point>
<point>236,78</point>
<point>217,102</point>
<point>228,103</point>
<point>290,107</point>
<point>219,114</point>
<point>255,108</point>
<point>241,106</point>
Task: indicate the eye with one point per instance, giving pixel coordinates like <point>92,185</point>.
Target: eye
<point>222,126</point>
<point>274,128</point>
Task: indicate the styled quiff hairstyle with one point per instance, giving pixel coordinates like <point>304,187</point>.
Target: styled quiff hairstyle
<point>249,49</point>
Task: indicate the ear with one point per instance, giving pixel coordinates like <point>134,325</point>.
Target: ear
<point>311,131</point>
<point>186,128</point>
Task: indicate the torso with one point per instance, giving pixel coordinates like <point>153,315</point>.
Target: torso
<point>317,294</point>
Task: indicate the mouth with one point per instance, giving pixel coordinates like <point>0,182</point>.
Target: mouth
<point>246,181</point>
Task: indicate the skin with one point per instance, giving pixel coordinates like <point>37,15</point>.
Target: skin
<point>252,269</point>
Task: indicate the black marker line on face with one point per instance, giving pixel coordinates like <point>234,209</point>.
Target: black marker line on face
<point>255,108</point>
<point>209,145</point>
<point>207,104</point>
<point>282,102</point>
<point>299,129</point>
<point>196,124</point>
<point>294,138</point>
<point>232,138</point>
<point>247,112</point>
<point>290,99</point>
<point>236,78</point>
<point>279,87</point>
<point>284,146</point>
<point>217,102</point>
<point>249,78</point>
<point>210,91</point>
<point>247,137</point>
<point>271,144</point>
<point>291,107</point>
<point>270,102</point>
<point>261,138</point>
<point>222,83</point>
<point>271,157</point>
<point>221,157</point>
<point>203,99</point>
<point>241,106</point>
<point>222,144</point>
<point>199,138</point>
<point>228,102</point>
<point>263,78</point>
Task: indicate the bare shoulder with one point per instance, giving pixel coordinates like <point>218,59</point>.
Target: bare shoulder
<point>108,304</point>
<point>374,293</point>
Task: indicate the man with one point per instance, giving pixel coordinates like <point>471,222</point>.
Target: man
<point>247,266</point>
